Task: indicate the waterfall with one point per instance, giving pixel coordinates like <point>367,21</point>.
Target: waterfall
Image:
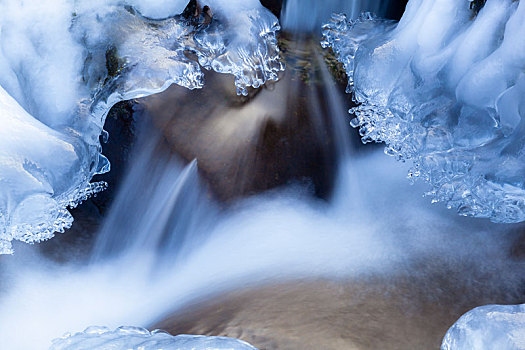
<point>169,242</point>
<point>308,15</point>
<point>161,206</point>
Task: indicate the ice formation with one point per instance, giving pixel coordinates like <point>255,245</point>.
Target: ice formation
<point>134,338</point>
<point>64,64</point>
<point>490,327</point>
<point>444,88</point>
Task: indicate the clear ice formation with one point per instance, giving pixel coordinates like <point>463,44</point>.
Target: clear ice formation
<point>64,64</point>
<point>134,338</point>
<point>445,89</point>
<point>490,327</point>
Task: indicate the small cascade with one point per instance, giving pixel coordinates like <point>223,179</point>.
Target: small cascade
<point>307,15</point>
<point>228,196</point>
<point>335,103</point>
<point>161,206</point>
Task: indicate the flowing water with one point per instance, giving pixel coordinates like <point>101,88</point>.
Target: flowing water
<point>168,243</point>
<point>307,16</point>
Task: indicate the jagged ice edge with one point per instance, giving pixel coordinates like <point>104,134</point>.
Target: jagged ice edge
<point>454,184</point>
<point>248,72</point>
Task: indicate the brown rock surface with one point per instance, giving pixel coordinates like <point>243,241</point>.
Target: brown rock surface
<point>410,310</point>
<point>244,145</point>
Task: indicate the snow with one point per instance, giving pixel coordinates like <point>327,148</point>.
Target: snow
<point>443,89</point>
<point>489,327</point>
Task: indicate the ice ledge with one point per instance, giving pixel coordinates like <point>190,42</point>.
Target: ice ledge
<point>135,338</point>
<point>442,88</point>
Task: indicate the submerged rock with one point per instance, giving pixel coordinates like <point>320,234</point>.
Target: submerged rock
<point>410,311</point>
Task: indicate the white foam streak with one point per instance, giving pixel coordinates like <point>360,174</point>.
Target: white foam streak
<point>282,235</point>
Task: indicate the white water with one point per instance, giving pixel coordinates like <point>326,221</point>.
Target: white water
<point>165,243</point>
<point>308,15</point>
<point>376,225</point>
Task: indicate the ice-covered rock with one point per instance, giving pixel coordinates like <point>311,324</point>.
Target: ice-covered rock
<point>444,88</point>
<point>490,327</point>
<point>135,338</point>
<point>65,63</point>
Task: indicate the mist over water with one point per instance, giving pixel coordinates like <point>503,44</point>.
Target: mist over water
<point>168,242</point>
<point>376,224</point>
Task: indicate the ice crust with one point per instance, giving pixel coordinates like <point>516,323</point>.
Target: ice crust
<point>135,338</point>
<point>64,64</point>
<point>490,327</point>
<point>444,88</point>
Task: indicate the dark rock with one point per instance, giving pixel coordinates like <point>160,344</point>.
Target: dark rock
<point>395,9</point>
<point>273,5</point>
<point>279,134</point>
<point>518,248</point>
<point>477,5</point>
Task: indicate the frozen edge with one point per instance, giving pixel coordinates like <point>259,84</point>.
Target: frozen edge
<point>100,338</point>
<point>478,196</point>
<point>246,75</point>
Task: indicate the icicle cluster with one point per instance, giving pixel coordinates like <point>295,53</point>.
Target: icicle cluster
<point>444,88</point>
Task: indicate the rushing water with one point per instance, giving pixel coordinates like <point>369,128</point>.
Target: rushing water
<point>375,224</point>
<point>167,241</point>
<point>308,15</point>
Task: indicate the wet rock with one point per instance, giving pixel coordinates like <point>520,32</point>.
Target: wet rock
<point>273,5</point>
<point>396,9</point>
<point>412,310</point>
<point>518,248</point>
<point>279,134</point>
